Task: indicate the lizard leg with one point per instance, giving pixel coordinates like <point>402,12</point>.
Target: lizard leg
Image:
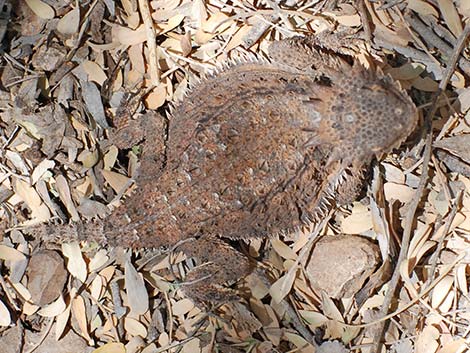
<point>220,264</point>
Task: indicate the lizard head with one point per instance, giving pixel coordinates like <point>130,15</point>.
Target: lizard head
<point>369,116</point>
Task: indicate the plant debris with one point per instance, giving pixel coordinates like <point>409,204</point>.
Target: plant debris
<point>68,71</point>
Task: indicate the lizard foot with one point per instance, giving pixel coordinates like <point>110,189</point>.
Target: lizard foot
<point>220,265</point>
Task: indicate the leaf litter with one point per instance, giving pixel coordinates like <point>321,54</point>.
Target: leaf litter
<point>66,68</point>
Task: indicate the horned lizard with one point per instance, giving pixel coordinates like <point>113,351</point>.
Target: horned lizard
<point>258,148</point>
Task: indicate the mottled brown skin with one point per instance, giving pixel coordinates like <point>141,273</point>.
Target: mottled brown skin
<point>259,149</point>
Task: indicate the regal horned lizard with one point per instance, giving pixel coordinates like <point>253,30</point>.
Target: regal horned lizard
<point>259,148</point>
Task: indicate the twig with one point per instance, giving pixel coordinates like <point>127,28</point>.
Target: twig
<point>151,42</point>
<point>422,183</point>
<point>445,271</point>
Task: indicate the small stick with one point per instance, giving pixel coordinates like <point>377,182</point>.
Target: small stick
<point>422,184</point>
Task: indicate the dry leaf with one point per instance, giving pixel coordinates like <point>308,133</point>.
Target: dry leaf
<point>128,36</point>
<point>79,313</point>
<point>88,158</point>
<point>423,8</point>
<point>116,180</point>
<point>464,99</point>
<point>182,307</point>
<point>39,211</point>
<point>458,345</point>
<point>135,327</point>
<point>92,97</point>
<point>41,169</point>
<point>10,254</point>
<point>461,278</point>
<point>100,258</point>
<point>41,9</point>
<point>135,289</point>
<point>55,308</point>
<point>156,98</point>
<point>441,290</point>
<point>359,221</point>
<point>5,318</point>
<point>61,322</point>
<point>451,16</point>
<point>407,71</point>
<point>425,84</point>
<point>94,71</point>
<point>458,145</point>
<point>191,346</point>
<point>70,22</point>
<point>75,264</point>
<point>283,250</point>
<point>427,340</point>
<point>282,286</point>
<point>313,318</point>
<point>402,193</point>
<point>64,194</point>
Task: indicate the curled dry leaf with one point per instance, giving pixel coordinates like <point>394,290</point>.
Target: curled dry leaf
<point>61,322</point>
